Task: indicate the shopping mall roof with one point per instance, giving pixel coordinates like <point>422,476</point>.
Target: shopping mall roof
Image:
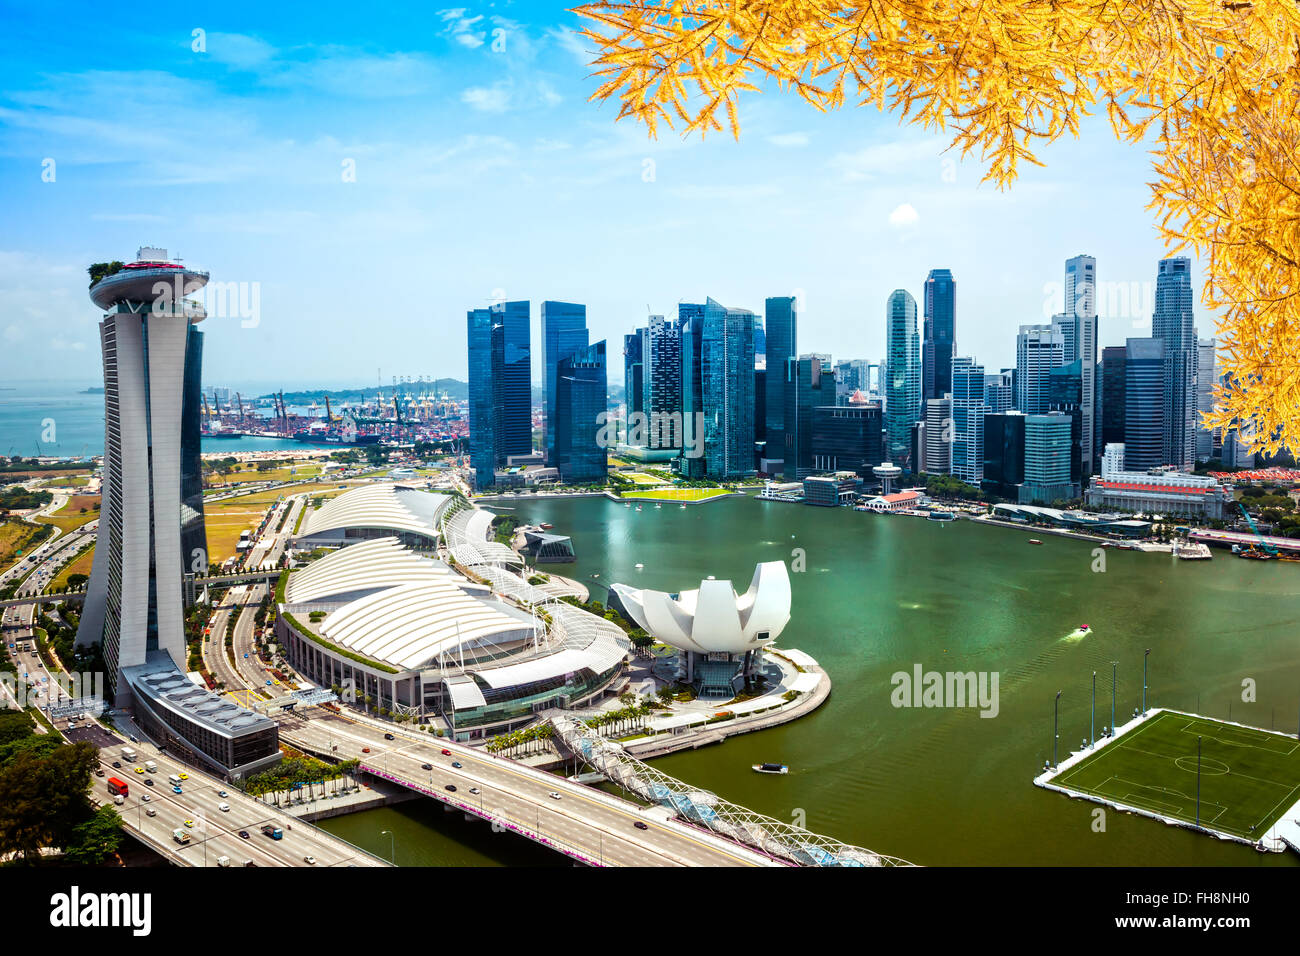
<point>411,625</point>
<point>384,506</point>
<point>361,569</point>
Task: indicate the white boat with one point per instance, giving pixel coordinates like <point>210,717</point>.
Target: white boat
<point>770,768</point>
<point>640,566</point>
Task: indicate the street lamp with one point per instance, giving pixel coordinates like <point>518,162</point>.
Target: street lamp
<point>392,846</point>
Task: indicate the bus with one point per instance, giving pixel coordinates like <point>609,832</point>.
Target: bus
<point>118,787</point>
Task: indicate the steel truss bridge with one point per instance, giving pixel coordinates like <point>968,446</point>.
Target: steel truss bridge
<point>783,841</point>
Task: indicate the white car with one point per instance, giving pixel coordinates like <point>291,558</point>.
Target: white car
<point>309,860</point>
<point>223,807</point>
<point>553,795</point>
<point>145,798</point>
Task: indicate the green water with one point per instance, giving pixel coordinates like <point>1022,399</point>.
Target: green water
<point>882,594</point>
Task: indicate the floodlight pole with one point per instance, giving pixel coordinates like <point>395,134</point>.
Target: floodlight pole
<point>1145,655</point>
<point>1198,781</point>
<point>1056,718</point>
<point>1092,717</point>
<point>1114,667</point>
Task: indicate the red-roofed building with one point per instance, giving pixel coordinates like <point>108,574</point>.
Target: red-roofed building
<point>899,501</point>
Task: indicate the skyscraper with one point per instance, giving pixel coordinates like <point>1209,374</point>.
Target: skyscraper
<point>634,371</point>
<point>1004,454</point>
<point>727,390</point>
<point>1081,304</point>
<point>1047,460</point>
<point>999,393</point>
<point>903,390</point>
<point>968,411</point>
<point>690,320</point>
<point>937,446</point>
<point>564,331</point>
<point>1206,379</point>
<point>1112,394</point>
<point>580,399</point>
<point>809,383</point>
<point>1144,404</point>
<point>500,387</point>
<point>151,518</point>
<point>940,333</point>
<point>781,345</point>
<point>1039,349</point>
<point>1173,323</point>
<point>848,438</point>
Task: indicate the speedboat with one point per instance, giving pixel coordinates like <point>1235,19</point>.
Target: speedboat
<point>770,768</point>
<point>1083,627</point>
<point>1034,541</point>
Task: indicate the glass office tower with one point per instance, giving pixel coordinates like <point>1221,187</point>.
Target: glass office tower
<point>940,334</point>
<point>564,331</point>
<point>1174,324</point>
<point>726,360</point>
<point>1144,404</point>
<point>781,345</point>
<point>903,388</point>
<point>500,387</point>
<point>580,400</point>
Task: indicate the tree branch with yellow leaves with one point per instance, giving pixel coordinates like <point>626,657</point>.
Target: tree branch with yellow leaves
<point>1216,81</point>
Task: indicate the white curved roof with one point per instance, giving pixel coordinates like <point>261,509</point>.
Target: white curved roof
<point>714,617</point>
<point>391,507</point>
<point>411,624</point>
<point>367,566</point>
<point>468,536</point>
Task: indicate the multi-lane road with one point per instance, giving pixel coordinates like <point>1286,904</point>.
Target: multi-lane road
<point>234,833</point>
<point>589,823</point>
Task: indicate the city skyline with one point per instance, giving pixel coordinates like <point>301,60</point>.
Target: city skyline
<point>862,206</point>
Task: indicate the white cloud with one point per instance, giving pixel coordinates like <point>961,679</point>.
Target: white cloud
<point>13,333</point>
<point>789,139</point>
<point>904,215</point>
<point>238,50</point>
<point>575,44</point>
<point>487,99</point>
<point>886,159</point>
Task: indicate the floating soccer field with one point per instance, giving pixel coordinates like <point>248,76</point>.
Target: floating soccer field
<point>1249,777</point>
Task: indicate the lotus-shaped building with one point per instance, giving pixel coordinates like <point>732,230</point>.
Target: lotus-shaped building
<point>719,630</point>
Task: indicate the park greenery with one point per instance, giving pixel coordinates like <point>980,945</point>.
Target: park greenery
<point>45,797</point>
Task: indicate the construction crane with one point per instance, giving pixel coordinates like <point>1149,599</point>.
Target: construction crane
<point>1263,544</point>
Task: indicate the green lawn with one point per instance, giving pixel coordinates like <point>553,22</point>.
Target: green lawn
<point>678,494</point>
<point>1248,777</point>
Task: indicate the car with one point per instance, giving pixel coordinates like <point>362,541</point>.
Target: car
<point>456,764</point>
<point>145,798</point>
<point>426,766</point>
<point>139,769</point>
<point>309,860</point>
<point>553,795</point>
<point>446,752</point>
<point>388,737</point>
<point>243,835</point>
<point>151,812</point>
<point>99,771</point>
<point>189,824</point>
<point>475,790</point>
<point>450,787</point>
<point>640,826</point>
<point>117,765</point>
<point>176,789</point>
<point>148,783</point>
<point>223,807</point>
<point>222,794</point>
<point>183,775</point>
<point>365,750</point>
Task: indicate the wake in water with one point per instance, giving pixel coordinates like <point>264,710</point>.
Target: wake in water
<point>1078,634</point>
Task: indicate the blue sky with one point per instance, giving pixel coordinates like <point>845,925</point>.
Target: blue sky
<point>482,170</point>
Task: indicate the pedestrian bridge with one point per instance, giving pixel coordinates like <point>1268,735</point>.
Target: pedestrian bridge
<point>782,841</point>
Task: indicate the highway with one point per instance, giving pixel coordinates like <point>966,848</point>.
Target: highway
<point>215,832</point>
<point>589,823</point>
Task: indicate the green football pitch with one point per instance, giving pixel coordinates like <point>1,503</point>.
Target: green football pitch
<point>1249,778</point>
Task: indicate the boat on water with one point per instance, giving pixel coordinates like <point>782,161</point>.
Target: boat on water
<point>1083,627</point>
<point>770,768</point>
<point>941,516</point>
<point>1256,554</point>
<point>1192,551</point>
<point>657,507</point>
<point>545,526</point>
<point>640,566</point>
<point>1034,541</point>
